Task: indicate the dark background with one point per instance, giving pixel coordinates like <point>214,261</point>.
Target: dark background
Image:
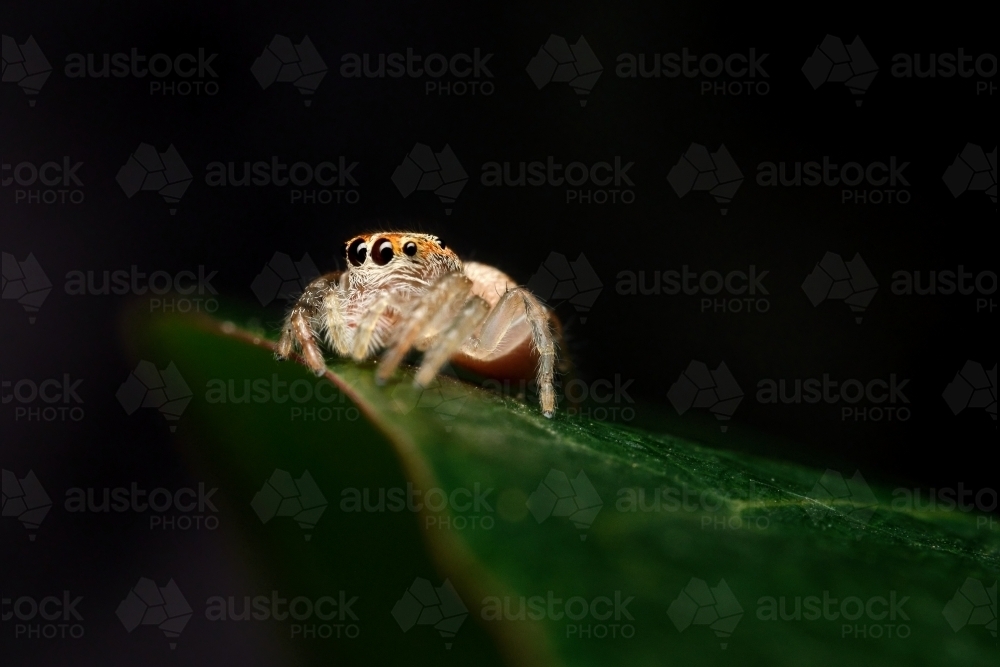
<point>651,122</point>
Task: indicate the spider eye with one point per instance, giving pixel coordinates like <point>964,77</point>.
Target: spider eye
<point>382,251</point>
<point>441,243</point>
<point>410,248</point>
<point>357,252</point>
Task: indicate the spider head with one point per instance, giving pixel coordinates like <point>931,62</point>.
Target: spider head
<point>384,259</point>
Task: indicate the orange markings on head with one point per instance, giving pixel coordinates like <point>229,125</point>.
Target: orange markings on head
<point>382,246</point>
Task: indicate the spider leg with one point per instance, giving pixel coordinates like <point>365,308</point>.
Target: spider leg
<point>471,316</point>
<point>300,328</point>
<point>365,339</point>
<point>517,304</point>
<point>428,315</point>
<point>337,332</point>
<point>508,312</point>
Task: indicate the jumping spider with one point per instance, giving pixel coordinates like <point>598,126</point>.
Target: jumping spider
<point>404,290</point>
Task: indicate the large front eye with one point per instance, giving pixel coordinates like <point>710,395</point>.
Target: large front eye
<point>357,252</point>
<point>382,251</point>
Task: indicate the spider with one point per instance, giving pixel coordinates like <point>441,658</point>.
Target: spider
<point>405,290</point>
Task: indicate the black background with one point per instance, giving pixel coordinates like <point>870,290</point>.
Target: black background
<point>651,122</point>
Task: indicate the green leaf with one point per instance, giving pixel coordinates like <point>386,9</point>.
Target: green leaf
<point>694,542</point>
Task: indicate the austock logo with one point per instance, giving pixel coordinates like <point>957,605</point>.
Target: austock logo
<point>947,66</point>
<point>149,604</point>
<point>873,612</point>
<point>849,498</point>
<point>328,182</point>
<point>559,496</point>
<point>283,278</point>
<point>282,496</point>
<point>700,171</point>
<point>186,508</point>
<point>51,182</point>
<point>310,400</point>
<point>949,282</point>
<point>583,183</point>
<point>973,171</point>
<point>24,65</point>
<point>877,182</point>
<point>715,607</point>
<point>469,73</point>
<point>163,173</point>
<point>576,614</point>
<point>558,280</point>
<point>24,282</point>
<point>559,62</point>
<point>721,292</point>
<point>744,508</point>
<point>147,387</point>
<point>875,400</point>
<point>460,508</point>
<point>284,62</point>
<point>735,75</point>
<point>973,387</point>
<point>303,610</point>
<point>698,387</point>
<point>24,500</point>
<point>445,395</point>
<point>973,604</point>
<point>438,606</point>
<point>181,75</point>
<point>44,618</point>
<point>835,62</point>
<point>834,279</point>
<point>424,170</point>
<point>61,402</point>
<point>184,291</point>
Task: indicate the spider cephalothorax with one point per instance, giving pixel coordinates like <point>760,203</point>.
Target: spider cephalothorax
<point>402,291</point>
